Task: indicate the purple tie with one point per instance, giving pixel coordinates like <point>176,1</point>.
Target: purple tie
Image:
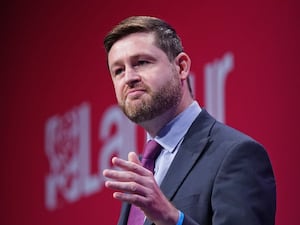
<point>151,151</point>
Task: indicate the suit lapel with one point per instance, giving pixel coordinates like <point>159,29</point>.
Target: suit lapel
<point>191,149</point>
<point>175,176</point>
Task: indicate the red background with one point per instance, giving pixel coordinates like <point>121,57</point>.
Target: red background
<point>53,59</point>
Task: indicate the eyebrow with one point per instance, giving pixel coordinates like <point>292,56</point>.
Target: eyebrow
<point>135,57</point>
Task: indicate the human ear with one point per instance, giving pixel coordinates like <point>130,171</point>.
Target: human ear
<point>183,63</point>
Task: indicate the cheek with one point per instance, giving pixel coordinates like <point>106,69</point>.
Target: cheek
<point>159,82</point>
<point>118,91</point>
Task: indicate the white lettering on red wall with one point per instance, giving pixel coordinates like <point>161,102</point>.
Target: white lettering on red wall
<point>215,74</point>
<point>68,148</point>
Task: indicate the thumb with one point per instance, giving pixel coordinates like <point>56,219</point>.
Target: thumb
<point>132,157</point>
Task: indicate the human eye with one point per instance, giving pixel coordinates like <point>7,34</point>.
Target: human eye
<point>141,62</point>
<point>117,71</point>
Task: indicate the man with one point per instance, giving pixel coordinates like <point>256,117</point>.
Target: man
<point>207,172</point>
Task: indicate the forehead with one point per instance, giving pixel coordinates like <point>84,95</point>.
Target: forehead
<point>133,44</point>
<point>136,39</point>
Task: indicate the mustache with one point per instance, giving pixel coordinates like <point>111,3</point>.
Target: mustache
<point>136,86</point>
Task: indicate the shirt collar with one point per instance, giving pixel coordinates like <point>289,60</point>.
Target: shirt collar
<point>172,133</point>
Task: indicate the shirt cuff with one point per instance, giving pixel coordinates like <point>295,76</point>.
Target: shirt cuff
<point>180,219</point>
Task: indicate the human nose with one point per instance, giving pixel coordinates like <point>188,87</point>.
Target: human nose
<point>131,76</point>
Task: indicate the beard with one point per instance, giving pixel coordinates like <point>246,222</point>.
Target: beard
<point>155,103</point>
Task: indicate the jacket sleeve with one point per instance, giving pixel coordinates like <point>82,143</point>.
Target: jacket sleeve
<point>244,189</point>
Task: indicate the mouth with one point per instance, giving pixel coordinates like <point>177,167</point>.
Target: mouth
<point>135,93</point>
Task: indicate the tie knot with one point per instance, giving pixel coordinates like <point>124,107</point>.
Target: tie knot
<point>152,150</point>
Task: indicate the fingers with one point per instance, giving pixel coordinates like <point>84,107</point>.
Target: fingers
<point>133,164</point>
<point>135,193</point>
<point>131,182</point>
<point>132,157</point>
<point>135,199</point>
<point>131,171</point>
<point>120,175</point>
<point>127,188</point>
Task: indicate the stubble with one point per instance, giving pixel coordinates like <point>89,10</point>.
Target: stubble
<point>155,104</point>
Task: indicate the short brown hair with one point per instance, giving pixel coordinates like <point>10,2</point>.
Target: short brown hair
<point>166,36</point>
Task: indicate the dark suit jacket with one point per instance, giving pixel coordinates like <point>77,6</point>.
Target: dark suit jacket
<point>219,176</point>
